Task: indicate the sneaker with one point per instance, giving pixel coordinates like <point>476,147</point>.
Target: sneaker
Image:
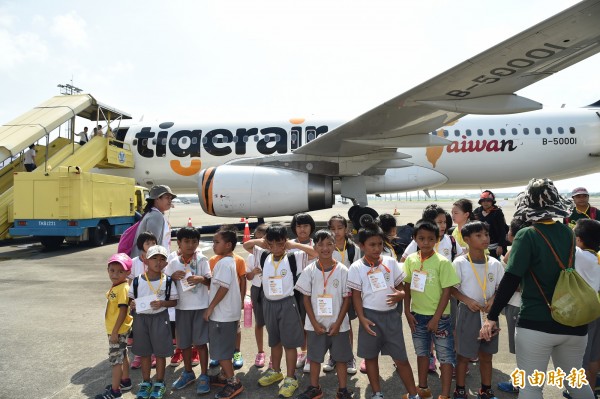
<point>288,388</point>
<point>306,368</point>
<point>351,366</point>
<point>459,394</point>
<point>217,380</point>
<point>238,360</point>
<point>489,394</point>
<point>566,394</point>
<point>136,363</point>
<point>184,380</point>
<point>377,395</point>
<point>344,394</point>
<point>259,360</point>
<point>300,360</point>
<point>507,386</point>
<point>195,357</point>
<point>230,390</point>
<point>144,391</point>
<point>311,393</point>
<point>124,386</point>
<point>109,394</point>
<point>213,363</point>
<point>432,367</point>
<point>424,393</point>
<point>363,366</point>
<point>177,358</point>
<point>158,390</point>
<point>203,385</point>
<point>270,377</point>
<point>153,363</point>
<point>329,366</point>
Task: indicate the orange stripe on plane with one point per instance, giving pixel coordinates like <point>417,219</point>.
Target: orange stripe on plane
<point>191,170</point>
<point>207,183</point>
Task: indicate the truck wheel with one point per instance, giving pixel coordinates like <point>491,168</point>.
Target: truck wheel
<point>52,243</point>
<point>99,235</point>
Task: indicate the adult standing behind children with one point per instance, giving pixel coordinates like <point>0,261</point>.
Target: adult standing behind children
<point>582,209</point>
<point>489,213</point>
<point>158,202</point>
<point>29,160</point>
<point>538,336</point>
<point>83,136</point>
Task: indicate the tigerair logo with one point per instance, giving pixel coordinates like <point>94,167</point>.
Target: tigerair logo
<point>435,153</point>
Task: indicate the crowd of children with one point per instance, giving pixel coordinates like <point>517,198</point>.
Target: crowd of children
<point>307,291</point>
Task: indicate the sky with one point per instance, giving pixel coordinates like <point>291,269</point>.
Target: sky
<point>261,60</point>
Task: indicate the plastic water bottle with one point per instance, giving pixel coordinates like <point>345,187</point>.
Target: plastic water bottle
<point>247,312</point>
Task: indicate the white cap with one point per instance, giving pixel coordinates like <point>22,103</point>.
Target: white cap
<point>157,250</point>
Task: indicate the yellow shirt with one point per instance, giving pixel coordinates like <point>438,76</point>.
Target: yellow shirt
<point>115,298</point>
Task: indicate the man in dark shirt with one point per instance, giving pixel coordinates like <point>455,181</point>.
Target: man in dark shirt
<point>582,209</point>
<point>488,212</point>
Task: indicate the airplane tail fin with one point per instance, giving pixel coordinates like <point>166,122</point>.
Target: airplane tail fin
<point>594,105</point>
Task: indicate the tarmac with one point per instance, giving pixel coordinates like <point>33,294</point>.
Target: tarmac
<point>52,338</point>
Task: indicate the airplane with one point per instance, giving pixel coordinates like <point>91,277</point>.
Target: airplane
<point>465,128</point>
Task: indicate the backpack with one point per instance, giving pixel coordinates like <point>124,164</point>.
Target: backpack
<point>136,282</point>
<point>127,239</point>
<point>293,268</point>
<point>574,302</point>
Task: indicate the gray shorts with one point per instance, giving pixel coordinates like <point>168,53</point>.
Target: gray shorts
<point>283,322</point>
<point>389,340</point>
<point>592,349</point>
<point>191,329</point>
<point>118,351</point>
<point>468,325</point>
<point>512,315</point>
<point>222,336</point>
<point>256,294</point>
<point>152,335</point>
<point>338,346</point>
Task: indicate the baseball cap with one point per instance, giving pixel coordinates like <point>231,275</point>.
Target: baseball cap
<point>579,191</point>
<point>487,195</point>
<point>158,190</point>
<point>123,259</point>
<point>157,250</point>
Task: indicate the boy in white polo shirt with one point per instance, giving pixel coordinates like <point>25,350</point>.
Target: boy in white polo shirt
<point>280,309</point>
<point>190,271</point>
<point>326,300</point>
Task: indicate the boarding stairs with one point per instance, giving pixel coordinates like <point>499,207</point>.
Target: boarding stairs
<point>17,135</point>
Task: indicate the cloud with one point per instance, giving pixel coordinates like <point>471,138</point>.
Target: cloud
<point>17,49</point>
<point>71,28</point>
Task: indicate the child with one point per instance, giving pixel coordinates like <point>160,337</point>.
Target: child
<point>240,267</point>
<point>462,212</point>
<point>587,264</point>
<point>118,323</point>
<point>224,312</point>
<point>191,274</point>
<point>303,226</point>
<point>253,272</point>
<point>429,280</point>
<point>152,293</point>
<point>138,266</point>
<point>327,321</point>
<point>347,253</point>
<point>387,223</point>
<point>511,311</point>
<point>479,277</point>
<point>279,274</point>
<point>376,284</point>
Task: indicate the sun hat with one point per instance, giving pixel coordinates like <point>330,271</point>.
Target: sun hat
<point>158,190</point>
<point>541,200</point>
<point>579,191</point>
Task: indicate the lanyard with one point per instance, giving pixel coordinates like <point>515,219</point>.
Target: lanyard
<point>484,285</point>
<point>584,212</point>
<point>387,244</point>
<point>423,260</point>
<point>373,265</point>
<point>155,291</point>
<point>326,280</point>
<point>276,265</point>
<point>342,251</point>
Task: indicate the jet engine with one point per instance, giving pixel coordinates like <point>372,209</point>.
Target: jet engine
<point>239,191</point>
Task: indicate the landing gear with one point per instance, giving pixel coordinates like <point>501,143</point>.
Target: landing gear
<point>360,216</point>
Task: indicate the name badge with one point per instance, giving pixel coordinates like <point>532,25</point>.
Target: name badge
<point>276,286</point>
<point>325,305</point>
<point>377,281</point>
<point>418,280</point>
<point>142,304</point>
<point>185,286</point>
<point>483,317</point>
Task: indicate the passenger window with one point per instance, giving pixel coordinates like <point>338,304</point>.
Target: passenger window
<point>468,132</point>
<point>446,133</point>
<point>164,141</point>
<point>503,132</point>
<point>245,139</point>
<point>174,140</point>
<point>255,139</point>
<point>294,137</point>
<point>194,140</point>
<point>561,130</point>
<point>491,131</point>
<point>479,132</point>
<point>457,133</point>
<point>311,136</point>
<point>572,130</point>
<point>549,130</point>
<point>525,131</point>
<point>267,138</point>
<point>134,142</point>
<point>204,140</point>
<point>514,131</point>
<point>153,141</point>
<point>537,130</point>
<point>235,139</point>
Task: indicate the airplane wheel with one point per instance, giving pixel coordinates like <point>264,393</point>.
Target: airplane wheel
<point>364,215</point>
<point>352,211</point>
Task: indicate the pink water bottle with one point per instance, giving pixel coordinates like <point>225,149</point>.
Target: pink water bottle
<point>247,312</point>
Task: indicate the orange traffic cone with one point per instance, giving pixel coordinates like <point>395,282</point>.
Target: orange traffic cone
<point>190,222</point>
<point>246,232</point>
<point>396,211</point>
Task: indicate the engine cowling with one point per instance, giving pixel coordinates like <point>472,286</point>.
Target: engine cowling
<point>258,191</point>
